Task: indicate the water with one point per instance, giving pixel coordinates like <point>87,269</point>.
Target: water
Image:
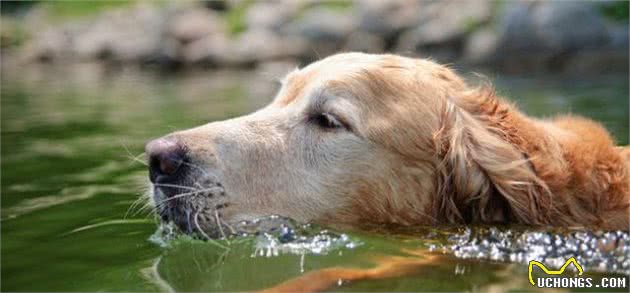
<point>69,137</point>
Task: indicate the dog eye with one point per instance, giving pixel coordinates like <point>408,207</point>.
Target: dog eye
<point>327,121</point>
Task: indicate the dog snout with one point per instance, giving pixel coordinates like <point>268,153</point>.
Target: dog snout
<point>166,157</point>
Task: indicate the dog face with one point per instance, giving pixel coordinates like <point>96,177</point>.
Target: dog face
<point>348,139</point>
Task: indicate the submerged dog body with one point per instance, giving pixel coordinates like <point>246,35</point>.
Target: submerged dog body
<point>381,139</point>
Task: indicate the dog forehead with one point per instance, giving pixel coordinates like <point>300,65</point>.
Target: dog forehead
<point>337,73</point>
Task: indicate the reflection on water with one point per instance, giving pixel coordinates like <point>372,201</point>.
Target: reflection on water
<point>69,139</point>
<point>599,251</point>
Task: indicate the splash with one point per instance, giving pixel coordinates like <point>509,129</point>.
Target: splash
<point>597,251</point>
<point>271,236</point>
<point>277,235</point>
<point>165,233</point>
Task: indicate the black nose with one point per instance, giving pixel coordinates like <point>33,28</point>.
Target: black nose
<point>166,157</point>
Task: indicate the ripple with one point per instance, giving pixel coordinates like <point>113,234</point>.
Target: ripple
<point>272,236</point>
<point>67,195</point>
<point>597,251</point>
<point>277,235</point>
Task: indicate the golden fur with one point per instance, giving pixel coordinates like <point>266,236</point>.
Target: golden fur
<point>495,163</point>
<point>421,147</point>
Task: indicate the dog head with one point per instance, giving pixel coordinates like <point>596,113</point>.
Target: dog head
<point>353,138</point>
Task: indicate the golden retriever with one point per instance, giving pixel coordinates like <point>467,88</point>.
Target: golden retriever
<point>362,139</point>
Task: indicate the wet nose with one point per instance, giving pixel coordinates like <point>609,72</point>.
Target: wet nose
<point>166,157</point>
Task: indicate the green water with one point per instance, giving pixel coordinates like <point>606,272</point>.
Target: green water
<point>68,179</point>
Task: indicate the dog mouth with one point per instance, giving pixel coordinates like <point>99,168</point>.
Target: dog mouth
<point>195,210</point>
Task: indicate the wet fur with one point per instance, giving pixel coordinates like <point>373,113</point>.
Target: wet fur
<point>501,166</point>
<point>422,147</point>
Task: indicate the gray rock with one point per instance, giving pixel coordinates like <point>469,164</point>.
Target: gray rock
<point>324,29</point>
<point>364,42</point>
<point>445,22</point>
<point>204,50</point>
<point>47,45</point>
<point>480,46</point>
<point>322,24</point>
<point>192,34</point>
<point>618,36</point>
<point>259,44</point>
<point>388,18</point>
<point>551,26</point>
<point>250,47</point>
<point>271,14</point>
<point>132,34</point>
<point>549,35</point>
<point>193,24</point>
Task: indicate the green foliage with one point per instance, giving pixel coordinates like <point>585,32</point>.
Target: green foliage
<point>471,24</point>
<point>340,5</point>
<point>12,33</point>
<point>71,9</point>
<point>616,10</point>
<point>235,17</point>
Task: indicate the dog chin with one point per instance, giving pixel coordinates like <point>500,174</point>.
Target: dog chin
<point>197,212</point>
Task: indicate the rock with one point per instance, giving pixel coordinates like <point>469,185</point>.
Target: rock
<point>259,44</point>
<point>193,24</point>
<point>551,26</point>
<point>321,24</point>
<point>218,5</point>
<point>123,35</point>
<point>618,36</point>
<point>445,23</point>
<point>276,70</point>
<point>480,46</point>
<point>94,42</point>
<point>271,15</point>
<point>324,29</point>
<point>205,50</point>
<point>609,57</point>
<point>248,48</point>
<point>193,34</point>
<point>48,45</point>
<point>524,36</point>
<point>365,42</point>
<point>388,18</point>
<point>545,35</point>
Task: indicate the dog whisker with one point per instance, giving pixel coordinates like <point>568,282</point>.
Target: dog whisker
<point>198,191</point>
<point>216,216</point>
<point>196,221</point>
<point>232,230</point>
<point>208,238</point>
<point>137,159</point>
<point>134,157</point>
<point>147,207</point>
<point>135,203</point>
<point>174,186</point>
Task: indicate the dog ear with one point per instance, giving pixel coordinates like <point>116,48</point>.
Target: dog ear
<point>482,176</point>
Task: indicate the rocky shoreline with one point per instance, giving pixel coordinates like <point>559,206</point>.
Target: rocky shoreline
<point>513,36</point>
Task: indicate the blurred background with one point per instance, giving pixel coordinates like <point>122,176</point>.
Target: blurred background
<point>86,83</point>
<point>572,37</point>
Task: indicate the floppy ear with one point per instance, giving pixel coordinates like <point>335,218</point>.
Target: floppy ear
<point>482,176</point>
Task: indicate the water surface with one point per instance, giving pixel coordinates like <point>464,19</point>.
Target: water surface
<point>69,176</point>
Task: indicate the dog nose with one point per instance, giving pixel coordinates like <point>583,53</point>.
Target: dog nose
<point>165,157</point>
